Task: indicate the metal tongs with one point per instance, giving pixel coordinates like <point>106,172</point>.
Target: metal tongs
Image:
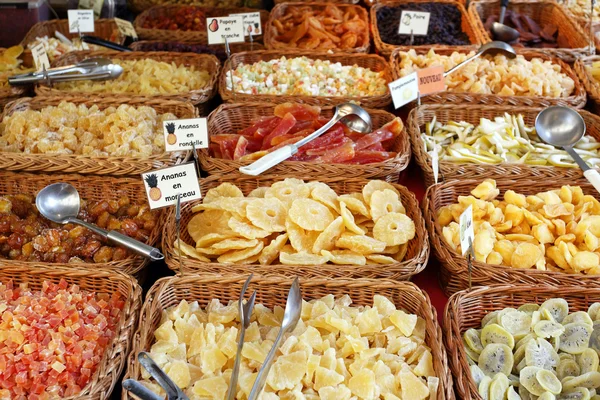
<point>88,69</point>
<point>141,391</point>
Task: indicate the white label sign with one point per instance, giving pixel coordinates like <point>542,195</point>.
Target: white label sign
<point>40,58</point>
<point>126,28</point>
<point>231,28</point>
<point>163,186</point>
<point>181,133</point>
<point>81,21</point>
<point>404,90</point>
<point>414,22</point>
<point>252,24</point>
<point>467,234</point>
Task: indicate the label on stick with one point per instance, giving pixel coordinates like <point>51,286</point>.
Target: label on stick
<point>404,90</point>
<point>252,24</point>
<point>94,5</point>
<point>163,186</point>
<point>126,28</point>
<point>220,28</point>
<point>81,21</point>
<point>181,133</point>
<point>414,22</point>
<point>431,80</point>
<point>467,233</point>
<point>40,57</point>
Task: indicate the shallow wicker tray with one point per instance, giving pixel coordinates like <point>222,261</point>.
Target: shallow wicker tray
<point>448,170</point>
<point>592,86</point>
<point>104,28</point>
<point>454,275</point>
<point>466,309</point>
<point>169,292</point>
<point>576,100</point>
<point>387,49</point>
<point>543,12</point>
<point>413,263</point>
<point>111,365</point>
<point>371,61</point>
<point>197,97</point>
<point>230,118</point>
<point>90,188</point>
<point>188,36</point>
<point>108,165</point>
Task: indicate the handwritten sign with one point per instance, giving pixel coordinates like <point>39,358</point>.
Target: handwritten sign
<point>414,22</point>
<point>126,28</point>
<point>467,233</point>
<point>431,80</point>
<point>230,27</point>
<point>163,186</point>
<point>40,58</point>
<point>181,133</point>
<point>252,24</point>
<point>404,90</point>
<point>81,21</point>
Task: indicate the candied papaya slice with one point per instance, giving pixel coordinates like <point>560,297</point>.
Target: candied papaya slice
<point>301,126</point>
<point>370,157</point>
<point>370,139</point>
<point>339,154</point>
<point>302,112</point>
<point>260,126</point>
<point>240,148</point>
<point>332,138</point>
<point>282,128</point>
<point>376,147</point>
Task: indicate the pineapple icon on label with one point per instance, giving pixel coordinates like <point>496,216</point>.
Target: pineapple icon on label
<point>152,181</point>
<point>171,137</point>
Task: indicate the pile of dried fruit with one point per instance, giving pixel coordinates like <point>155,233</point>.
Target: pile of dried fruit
<point>25,235</point>
<point>321,28</point>
<point>55,48</point>
<point>320,226</point>
<point>557,230</point>
<point>531,34</point>
<point>292,122</point>
<point>187,18</point>
<point>336,352</point>
<point>536,351</point>
<point>445,25</point>
<point>10,64</point>
<point>51,340</point>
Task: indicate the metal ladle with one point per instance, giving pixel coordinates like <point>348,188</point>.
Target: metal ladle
<point>492,48</point>
<point>564,127</point>
<point>351,115</point>
<point>60,202</point>
<point>503,32</point>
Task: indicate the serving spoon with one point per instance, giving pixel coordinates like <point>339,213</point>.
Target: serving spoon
<point>59,202</point>
<point>492,48</point>
<point>351,115</point>
<point>564,127</point>
<point>503,32</point>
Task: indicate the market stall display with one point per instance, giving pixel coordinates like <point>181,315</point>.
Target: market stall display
<point>549,333</point>
<point>138,6</point>
<point>299,363</point>
<point>10,64</point>
<point>449,25</point>
<point>588,70</point>
<point>530,79</point>
<point>216,50</point>
<point>542,24</point>
<point>319,27</point>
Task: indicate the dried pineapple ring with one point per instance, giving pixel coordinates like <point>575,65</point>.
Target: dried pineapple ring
<point>394,229</point>
<point>287,191</point>
<point>236,256</point>
<point>225,189</point>
<point>360,243</point>
<point>211,221</point>
<point>301,258</point>
<point>233,205</point>
<point>210,239</point>
<point>301,240</point>
<point>354,204</point>
<point>375,185</point>
<point>247,230</point>
<point>344,257</point>
<point>381,259</point>
<point>271,252</point>
<point>349,220</point>
<point>259,192</point>
<point>384,202</point>
<point>324,194</point>
<point>235,244</point>
<point>189,251</point>
<point>267,214</point>
<point>327,238</point>
<point>310,214</point>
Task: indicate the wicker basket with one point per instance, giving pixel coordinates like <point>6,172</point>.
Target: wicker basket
<point>104,28</point>
<point>197,97</point>
<point>316,1</point>
<point>576,100</point>
<point>111,365</point>
<point>570,35</point>
<point>230,118</point>
<point>371,61</point>
<point>419,116</point>
<point>280,9</point>
<point>414,261</point>
<point>187,36</point>
<point>10,93</point>
<point>592,86</point>
<point>466,309</point>
<point>454,275</point>
<point>114,166</point>
<point>137,6</point>
<point>169,292</point>
<point>90,188</point>
<point>386,49</point>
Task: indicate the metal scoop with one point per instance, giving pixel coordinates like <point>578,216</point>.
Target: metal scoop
<point>351,115</point>
<point>564,127</point>
<point>291,316</point>
<point>503,32</point>
<point>59,203</point>
<point>491,48</point>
